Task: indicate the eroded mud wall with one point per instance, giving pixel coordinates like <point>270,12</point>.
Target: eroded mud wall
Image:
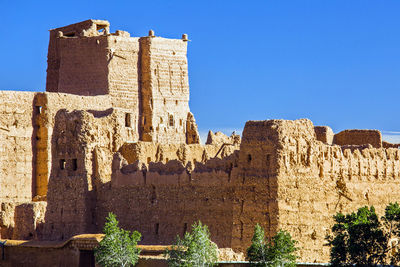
<point>316,180</point>
<point>16,145</point>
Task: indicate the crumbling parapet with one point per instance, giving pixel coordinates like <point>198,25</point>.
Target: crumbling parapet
<point>358,137</point>
<point>316,180</point>
<point>220,138</point>
<point>324,134</point>
<point>192,133</point>
<point>88,28</point>
<point>390,145</point>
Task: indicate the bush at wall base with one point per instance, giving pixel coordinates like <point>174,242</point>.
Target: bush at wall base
<point>118,247</point>
<point>280,251</point>
<point>362,239</point>
<point>195,249</point>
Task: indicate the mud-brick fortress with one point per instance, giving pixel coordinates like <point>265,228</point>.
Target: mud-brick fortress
<point>113,133</point>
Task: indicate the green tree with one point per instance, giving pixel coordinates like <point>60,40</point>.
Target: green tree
<point>280,251</point>
<point>358,239</point>
<point>256,253</point>
<point>194,250</point>
<point>391,220</point>
<point>118,247</point>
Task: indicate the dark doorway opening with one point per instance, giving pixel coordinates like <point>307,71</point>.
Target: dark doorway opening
<point>86,258</point>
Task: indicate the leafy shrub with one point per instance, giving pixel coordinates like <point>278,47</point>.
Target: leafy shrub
<point>280,251</point>
<point>195,249</point>
<point>391,221</point>
<point>360,238</point>
<point>118,247</point>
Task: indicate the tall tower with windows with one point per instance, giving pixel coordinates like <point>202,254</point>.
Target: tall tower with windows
<point>164,89</point>
<point>146,77</point>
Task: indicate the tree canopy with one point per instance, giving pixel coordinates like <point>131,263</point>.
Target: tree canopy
<point>362,239</point>
<point>194,249</point>
<point>118,247</point>
<point>279,251</point>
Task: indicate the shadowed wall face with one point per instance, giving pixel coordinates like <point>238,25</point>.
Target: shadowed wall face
<point>77,59</point>
<point>358,137</point>
<point>83,66</point>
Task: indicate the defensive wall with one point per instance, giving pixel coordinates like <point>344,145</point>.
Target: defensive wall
<point>316,180</point>
<point>114,133</point>
<point>96,179</point>
<point>281,176</point>
<point>27,123</point>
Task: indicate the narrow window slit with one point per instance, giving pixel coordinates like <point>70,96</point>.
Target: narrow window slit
<point>74,164</point>
<point>38,109</point>
<point>128,122</point>
<point>62,164</point>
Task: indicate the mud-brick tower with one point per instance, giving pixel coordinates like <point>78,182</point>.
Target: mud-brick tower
<point>165,89</point>
<point>146,77</point>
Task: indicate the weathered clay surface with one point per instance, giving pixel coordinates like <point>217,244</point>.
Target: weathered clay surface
<point>220,138</point>
<point>114,133</point>
<point>324,134</point>
<point>358,137</point>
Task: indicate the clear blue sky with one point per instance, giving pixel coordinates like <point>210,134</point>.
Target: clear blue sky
<point>334,62</point>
